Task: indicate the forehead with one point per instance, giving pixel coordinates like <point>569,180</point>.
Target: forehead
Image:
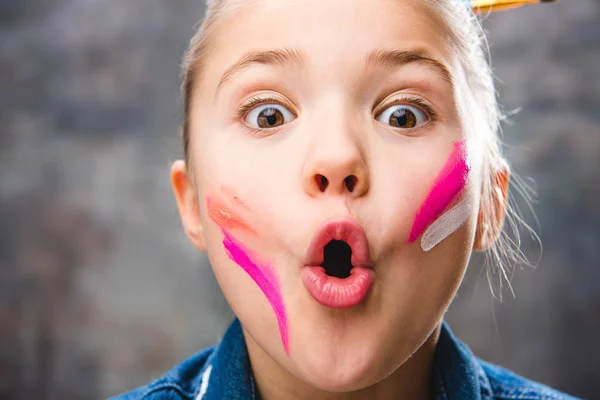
<point>333,34</point>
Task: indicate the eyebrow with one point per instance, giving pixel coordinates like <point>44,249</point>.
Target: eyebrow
<point>397,58</point>
<point>276,57</point>
<point>391,59</point>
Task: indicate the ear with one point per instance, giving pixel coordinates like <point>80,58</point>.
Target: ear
<point>492,214</point>
<point>187,203</point>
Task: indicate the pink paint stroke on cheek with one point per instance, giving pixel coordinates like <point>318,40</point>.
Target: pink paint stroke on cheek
<point>449,184</point>
<point>264,277</point>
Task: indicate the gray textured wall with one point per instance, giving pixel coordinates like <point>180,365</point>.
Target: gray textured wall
<point>99,289</point>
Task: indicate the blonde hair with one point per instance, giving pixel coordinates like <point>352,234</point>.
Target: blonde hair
<point>468,42</point>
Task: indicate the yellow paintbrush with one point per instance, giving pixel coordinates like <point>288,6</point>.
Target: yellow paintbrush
<point>487,6</point>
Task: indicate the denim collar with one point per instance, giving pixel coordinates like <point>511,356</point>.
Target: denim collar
<point>457,374</point>
<point>231,376</point>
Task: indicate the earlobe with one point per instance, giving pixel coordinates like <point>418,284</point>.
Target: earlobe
<point>187,203</point>
<point>490,219</point>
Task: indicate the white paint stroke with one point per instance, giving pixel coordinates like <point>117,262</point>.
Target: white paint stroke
<point>446,225</point>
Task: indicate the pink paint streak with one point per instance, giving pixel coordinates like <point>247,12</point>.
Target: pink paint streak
<point>264,277</point>
<point>449,184</point>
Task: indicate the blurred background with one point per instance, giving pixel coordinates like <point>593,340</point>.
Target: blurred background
<point>101,292</point>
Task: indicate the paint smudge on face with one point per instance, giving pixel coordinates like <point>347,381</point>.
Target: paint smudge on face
<point>445,225</point>
<point>448,185</point>
<point>224,217</point>
<point>266,279</point>
<point>236,200</point>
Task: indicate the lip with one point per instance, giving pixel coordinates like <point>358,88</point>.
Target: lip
<point>331,291</point>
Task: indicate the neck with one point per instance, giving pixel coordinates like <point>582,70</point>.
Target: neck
<point>412,380</point>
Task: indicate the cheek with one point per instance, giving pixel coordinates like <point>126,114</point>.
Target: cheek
<point>230,216</point>
<point>261,173</point>
<point>444,210</point>
<point>264,276</point>
<point>223,215</point>
<point>240,271</point>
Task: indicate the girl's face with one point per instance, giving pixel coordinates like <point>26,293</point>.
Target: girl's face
<point>320,120</point>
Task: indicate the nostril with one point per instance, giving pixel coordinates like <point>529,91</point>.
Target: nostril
<point>322,182</point>
<point>350,182</point>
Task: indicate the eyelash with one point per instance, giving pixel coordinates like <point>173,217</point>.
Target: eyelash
<point>256,101</point>
<point>412,100</point>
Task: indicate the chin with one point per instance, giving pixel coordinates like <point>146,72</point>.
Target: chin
<point>341,379</point>
<point>336,368</point>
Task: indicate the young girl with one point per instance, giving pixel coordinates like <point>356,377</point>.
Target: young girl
<point>342,164</point>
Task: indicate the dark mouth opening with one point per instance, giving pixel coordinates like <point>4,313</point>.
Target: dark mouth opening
<point>337,255</point>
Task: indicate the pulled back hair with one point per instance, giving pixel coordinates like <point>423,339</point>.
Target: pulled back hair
<point>467,41</point>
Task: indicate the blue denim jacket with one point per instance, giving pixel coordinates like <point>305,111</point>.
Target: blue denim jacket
<point>223,372</point>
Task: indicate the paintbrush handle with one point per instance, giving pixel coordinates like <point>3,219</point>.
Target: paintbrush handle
<point>487,6</point>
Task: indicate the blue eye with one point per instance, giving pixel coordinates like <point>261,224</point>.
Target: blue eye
<point>267,116</point>
<point>402,116</point>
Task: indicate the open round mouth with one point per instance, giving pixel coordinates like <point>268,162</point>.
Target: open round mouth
<point>338,271</point>
<point>336,259</point>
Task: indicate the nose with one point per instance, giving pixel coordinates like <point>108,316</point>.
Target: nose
<point>336,166</point>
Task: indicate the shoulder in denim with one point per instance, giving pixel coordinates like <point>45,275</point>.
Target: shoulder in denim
<point>506,385</point>
<point>181,383</point>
